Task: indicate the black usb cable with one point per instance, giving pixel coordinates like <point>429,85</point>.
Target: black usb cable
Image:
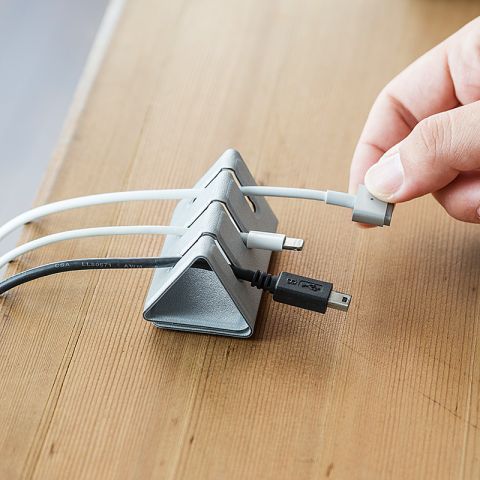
<point>288,288</point>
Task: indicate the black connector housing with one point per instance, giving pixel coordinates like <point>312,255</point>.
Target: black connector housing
<point>302,292</point>
<point>296,290</point>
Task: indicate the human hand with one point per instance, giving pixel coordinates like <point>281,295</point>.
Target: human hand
<point>423,132</point>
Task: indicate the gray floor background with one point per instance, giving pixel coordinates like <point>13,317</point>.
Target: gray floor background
<point>43,48</point>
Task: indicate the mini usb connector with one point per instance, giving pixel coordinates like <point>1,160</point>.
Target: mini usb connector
<point>296,290</point>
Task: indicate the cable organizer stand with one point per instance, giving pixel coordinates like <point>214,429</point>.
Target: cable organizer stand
<point>213,301</point>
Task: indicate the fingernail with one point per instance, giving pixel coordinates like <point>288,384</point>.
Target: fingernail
<point>386,177</point>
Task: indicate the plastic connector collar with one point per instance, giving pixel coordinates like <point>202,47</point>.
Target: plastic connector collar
<point>371,210</point>
<point>275,242</point>
<point>366,208</point>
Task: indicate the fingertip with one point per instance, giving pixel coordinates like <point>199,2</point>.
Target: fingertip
<point>461,198</point>
<point>364,157</point>
<point>356,178</point>
<point>352,188</point>
<point>364,226</point>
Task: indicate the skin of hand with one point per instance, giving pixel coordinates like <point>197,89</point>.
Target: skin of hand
<point>423,132</point>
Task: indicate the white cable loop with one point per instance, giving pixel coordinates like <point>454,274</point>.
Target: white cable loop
<point>89,232</point>
<point>91,200</point>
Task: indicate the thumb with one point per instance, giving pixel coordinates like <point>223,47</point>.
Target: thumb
<point>432,156</point>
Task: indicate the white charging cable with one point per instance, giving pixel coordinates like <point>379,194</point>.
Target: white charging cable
<point>261,240</point>
<point>366,209</point>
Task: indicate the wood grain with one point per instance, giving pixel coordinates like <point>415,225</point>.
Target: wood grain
<point>391,390</point>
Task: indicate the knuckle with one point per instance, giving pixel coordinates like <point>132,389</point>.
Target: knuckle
<point>472,43</point>
<point>379,103</point>
<point>433,137</point>
<point>383,94</point>
<point>464,63</point>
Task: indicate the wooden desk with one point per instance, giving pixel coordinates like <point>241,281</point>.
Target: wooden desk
<point>390,390</point>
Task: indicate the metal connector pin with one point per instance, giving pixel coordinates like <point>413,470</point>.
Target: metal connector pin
<point>339,301</point>
<point>293,244</point>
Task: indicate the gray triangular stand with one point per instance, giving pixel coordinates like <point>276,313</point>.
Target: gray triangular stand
<point>212,301</point>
